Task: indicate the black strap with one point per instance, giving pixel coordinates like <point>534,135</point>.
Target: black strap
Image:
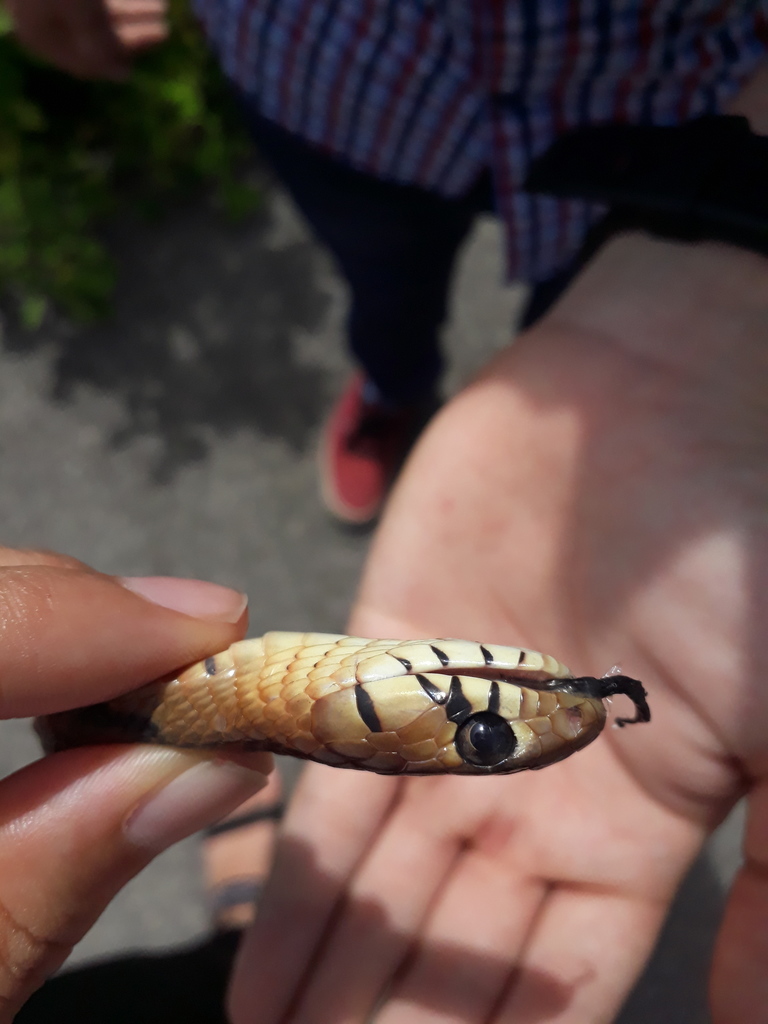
<point>273,813</point>
<point>234,894</point>
<point>702,180</point>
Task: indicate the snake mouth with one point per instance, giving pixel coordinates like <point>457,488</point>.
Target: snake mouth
<point>602,687</point>
<point>493,673</point>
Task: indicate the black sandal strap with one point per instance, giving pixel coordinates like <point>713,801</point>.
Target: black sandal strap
<point>273,813</point>
<point>235,894</point>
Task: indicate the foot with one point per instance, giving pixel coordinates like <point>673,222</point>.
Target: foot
<point>363,445</point>
<point>237,857</point>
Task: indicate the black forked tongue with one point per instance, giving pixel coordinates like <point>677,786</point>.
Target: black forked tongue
<point>610,686</point>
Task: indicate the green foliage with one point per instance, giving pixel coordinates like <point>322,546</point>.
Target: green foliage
<point>72,153</point>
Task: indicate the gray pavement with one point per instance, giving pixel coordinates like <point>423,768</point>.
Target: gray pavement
<point>178,439</point>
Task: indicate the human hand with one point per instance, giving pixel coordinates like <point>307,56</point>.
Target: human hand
<point>599,494</point>
<point>89,38</point>
<point>75,826</point>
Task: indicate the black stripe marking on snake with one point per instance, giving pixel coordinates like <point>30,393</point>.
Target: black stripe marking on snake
<point>521,659</point>
<point>487,656</point>
<point>442,657</point>
<point>366,708</point>
<point>494,698</point>
<point>433,692</point>
<point>210,666</point>
<point>457,707</point>
<point>404,662</point>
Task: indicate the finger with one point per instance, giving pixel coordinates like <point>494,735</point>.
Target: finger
<point>475,932</point>
<point>739,988</point>
<point>385,905</point>
<point>79,55</point>
<point>612,859</point>
<point>139,35</point>
<point>72,637</point>
<point>331,821</point>
<point>138,23</point>
<point>76,826</point>
<point>585,953</point>
<point>545,834</point>
<point>138,10</point>
<point>37,556</point>
<point>75,37</point>
<point>97,52</point>
<point>387,899</point>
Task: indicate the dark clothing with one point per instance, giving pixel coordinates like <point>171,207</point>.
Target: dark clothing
<point>396,245</point>
<point>432,92</point>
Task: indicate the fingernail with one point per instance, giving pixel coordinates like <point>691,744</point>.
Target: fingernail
<point>197,598</point>
<point>199,796</point>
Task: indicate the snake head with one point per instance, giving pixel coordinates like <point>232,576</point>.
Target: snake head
<point>449,706</point>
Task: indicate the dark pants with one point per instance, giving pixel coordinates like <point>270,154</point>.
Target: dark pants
<point>396,245</point>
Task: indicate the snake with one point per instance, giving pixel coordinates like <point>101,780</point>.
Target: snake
<point>395,707</point>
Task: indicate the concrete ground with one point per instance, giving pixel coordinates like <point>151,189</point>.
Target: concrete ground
<point>178,439</point>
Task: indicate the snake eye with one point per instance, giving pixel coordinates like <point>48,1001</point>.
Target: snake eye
<point>485,739</point>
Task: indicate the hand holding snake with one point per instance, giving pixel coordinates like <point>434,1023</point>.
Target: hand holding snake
<point>75,827</point>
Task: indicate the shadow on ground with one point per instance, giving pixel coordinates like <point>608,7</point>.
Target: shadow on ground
<point>184,986</point>
<point>202,335</point>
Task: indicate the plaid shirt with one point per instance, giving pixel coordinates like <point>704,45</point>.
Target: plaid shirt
<point>432,92</point>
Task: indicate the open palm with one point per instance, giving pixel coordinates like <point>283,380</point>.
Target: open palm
<point>598,494</point>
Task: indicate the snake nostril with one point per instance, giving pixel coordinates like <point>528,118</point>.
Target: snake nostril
<point>485,740</point>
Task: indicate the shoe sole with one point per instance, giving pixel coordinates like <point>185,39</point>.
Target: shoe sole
<point>342,513</point>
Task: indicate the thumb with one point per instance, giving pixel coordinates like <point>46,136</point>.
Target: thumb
<point>76,826</point>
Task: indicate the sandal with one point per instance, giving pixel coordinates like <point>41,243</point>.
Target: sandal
<point>237,857</point>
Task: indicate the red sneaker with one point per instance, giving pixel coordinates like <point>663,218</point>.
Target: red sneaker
<point>362,447</point>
